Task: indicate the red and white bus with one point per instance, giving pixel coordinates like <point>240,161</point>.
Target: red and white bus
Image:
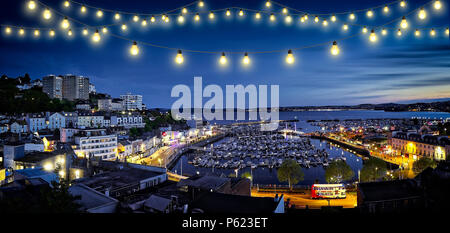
<point>328,191</point>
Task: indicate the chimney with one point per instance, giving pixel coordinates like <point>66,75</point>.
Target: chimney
<point>276,197</point>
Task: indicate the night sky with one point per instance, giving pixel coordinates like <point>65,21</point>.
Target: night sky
<point>391,70</point>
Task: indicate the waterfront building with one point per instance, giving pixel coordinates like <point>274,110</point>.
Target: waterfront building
<point>52,86</point>
<point>416,145</point>
<point>124,148</point>
<point>96,143</point>
<point>131,102</point>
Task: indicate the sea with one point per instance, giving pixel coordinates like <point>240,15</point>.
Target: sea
<point>266,176</point>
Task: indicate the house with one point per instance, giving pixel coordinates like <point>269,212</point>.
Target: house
<point>36,122</point>
<point>92,201</point>
<point>157,204</point>
<point>19,126</point>
<point>90,120</point>
<point>56,121</point>
<point>4,128</point>
<point>124,148</point>
<point>71,119</point>
<point>127,120</point>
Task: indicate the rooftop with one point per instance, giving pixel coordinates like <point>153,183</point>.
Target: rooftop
<point>204,182</point>
<point>36,157</point>
<point>389,190</point>
<point>89,197</point>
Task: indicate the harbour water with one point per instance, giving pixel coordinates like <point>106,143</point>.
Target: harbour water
<point>265,175</point>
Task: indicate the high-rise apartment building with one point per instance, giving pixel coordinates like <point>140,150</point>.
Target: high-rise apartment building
<point>132,102</point>
<point>52,86</point>
<point>75,87</point>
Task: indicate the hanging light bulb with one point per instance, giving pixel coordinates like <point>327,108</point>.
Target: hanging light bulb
<point>306,17</point>
<point>8,30</point>
<point>399,32</point>
<point>66,4</point>
<point>223,60</point>
<point>386,9</point>
<point>99,13</point>
<point>211,15</point>
<point>268,4</point>
<point>228,13</point>
<point>246,59</point>
<point>184,11</point>
<point>96,37</point>
<point>197,17</point>
<point>403,4</point>
<point>83,9</point>
<point>364,30</point>
<point>70,33</point>
<point>290,59</point>
<point>31,5</point>
<point>404,23</point>
<point>65,23</point>
<point>117,16</point>
<point>52,33</point>
<point>144,23</point>
<point>384,32</point>
<point>446,31</point>
<point>417,33</point>
<point>134,50</point>
<point>422,14</point>
<point>241,12</point>
<point>180,19</point>
<point>345,27</point>
<point>135,18</point>
<point>334,49</point>
<point>36,33</point>
<point>201,4</point>
<point>333,18</point>
<point>316,19</point>
<point>352,16</point>
<point>163,17</point>
<point>124,27</point>
<point>325,23</point>
<point>152,19</point>
<point>437,5</point>
<point>288,19</point>
<point>272,17</point>
<point>258,15</point>
<point>285,10</point>
<point>373,37</point>
<point>302,19</point>
<point>21,32</point>
<point>432,32</point>
<point>370,13</point>
<point>105,30</point>
<point>167,19</point>
<point>85,32</point>
<point>179,58</point>
<point>47,14</point>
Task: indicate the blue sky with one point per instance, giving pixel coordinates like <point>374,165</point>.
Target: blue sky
<point>392,70</point>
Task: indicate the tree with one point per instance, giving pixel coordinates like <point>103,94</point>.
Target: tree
<point>423,163</point>
<point>338,171</point>
<point>373,170</point>
<point>291,172</point>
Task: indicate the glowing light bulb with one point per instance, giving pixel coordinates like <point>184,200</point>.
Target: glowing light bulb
<point>364,30</point>
<point>403,4</point>
<point>446,31</point>
<point>417,33</point>
<point>21,32</point>
<point>211,15</point>
<point>404,23</point>
<point>334,49</point>
<point>8,30</point>
<point>70,33</point>
<point>105,30</point>
<point>316,19</point>
<point>99,13</point>
<point>85,32</point>
<point>117,16</point>
<point>422,14</point>
<point>36,33</point>
<point>246,59</point>
<point>373,36</point>
<point>184,11</point>
<point>47,14</point>
<point>399,32</point>
<point>163,17</point>
<point>96,37</point>
<point>223,60</point>
<point>384,32</point>
<point>302,19</point>
<point>268,4</point>
<point>370,13</point>
<point>290,59</point>
<point>325,23</point>
<point>180,19</point>
<point>272,17</point>
<point>345,27</point>
<point>258,15</point>
<point>83,9</point>
<point>197,17</point>
<point>437,5</point>
<point>386,9</point>
<point>179,58</point>
<point>31,5</point>
<point>65,23</point>
<point>352,16</point>
<point>432,32</point>
<point>288,19</point>
<point>52,33</point>
<point>152,19</point>
<point>167,19</point>
<point>201,4</point>
<point>228,13</point>
<point>124,27</point>
<point>306,17</point>
<point>134,50</point>
<point>241,12</point>
<point>144,23</point>
<point>135,18</point>
<point>333,18</point>
<point>66,4</point>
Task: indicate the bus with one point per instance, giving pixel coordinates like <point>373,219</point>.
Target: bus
<point>328,191</point>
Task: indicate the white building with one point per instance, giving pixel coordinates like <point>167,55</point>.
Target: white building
<point>127,121</point>
<point>71,119</point>
<point>67,134</point>
<point>56,121</point>
<point>96,143</point>
<point>19,127</point>
<point>131,102</point>
<point>36,122</point>
<point>90,121</point>
<point>104,104</point>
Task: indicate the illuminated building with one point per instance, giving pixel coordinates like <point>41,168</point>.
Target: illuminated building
<point>416,145</point>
